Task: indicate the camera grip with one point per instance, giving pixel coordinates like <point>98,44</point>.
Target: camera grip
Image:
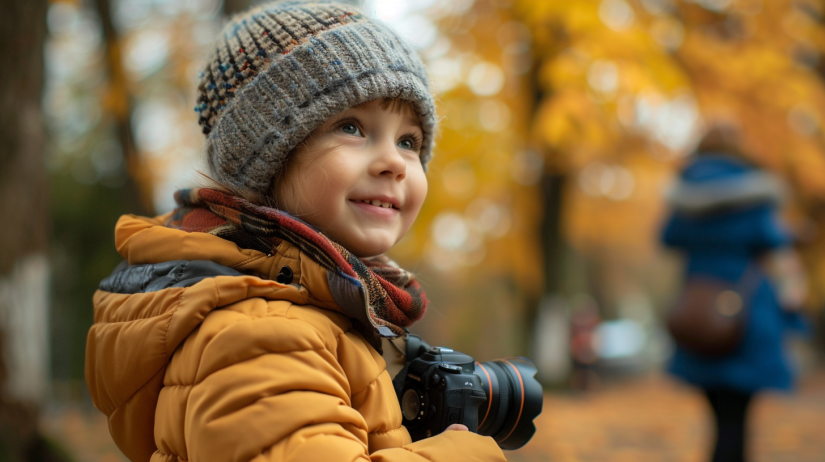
<point>474,400</point>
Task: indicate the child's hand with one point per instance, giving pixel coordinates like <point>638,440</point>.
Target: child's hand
<point>457,427</point>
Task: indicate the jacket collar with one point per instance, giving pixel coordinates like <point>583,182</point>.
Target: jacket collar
<point>147,241</point>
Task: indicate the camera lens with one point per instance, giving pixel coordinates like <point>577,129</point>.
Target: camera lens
<point>514,399</point>
<point>410,404</point>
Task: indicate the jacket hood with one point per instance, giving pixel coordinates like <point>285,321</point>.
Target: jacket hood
<point>141,319</point>
<point>716,182</point>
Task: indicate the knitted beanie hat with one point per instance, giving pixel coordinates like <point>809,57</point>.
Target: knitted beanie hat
<point>280,70</point>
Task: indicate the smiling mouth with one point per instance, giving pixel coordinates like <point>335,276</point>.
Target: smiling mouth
<point>377,203</point>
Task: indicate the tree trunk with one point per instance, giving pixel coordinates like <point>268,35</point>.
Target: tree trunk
<point>551,335</point>
<point>552,187</point>
<point>138,187</point>
<point>231,7</point>
<point>24,269</point>
<point>548,317</point>
<point>23,179</point>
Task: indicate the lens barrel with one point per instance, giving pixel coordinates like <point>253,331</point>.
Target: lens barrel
<point>514,399</point>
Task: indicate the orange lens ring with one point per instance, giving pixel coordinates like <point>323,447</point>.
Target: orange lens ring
<point>521,407</point>
<point>489,397</point>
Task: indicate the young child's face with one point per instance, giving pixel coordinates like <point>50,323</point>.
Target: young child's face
<point>358,177</point>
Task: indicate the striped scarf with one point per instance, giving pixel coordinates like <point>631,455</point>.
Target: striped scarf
<point>395,299</point>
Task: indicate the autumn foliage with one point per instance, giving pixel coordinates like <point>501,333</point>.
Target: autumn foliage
<point>614,97</point>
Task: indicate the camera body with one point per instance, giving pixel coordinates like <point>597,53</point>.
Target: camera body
<point>440,390</point>
<point>439,387</point>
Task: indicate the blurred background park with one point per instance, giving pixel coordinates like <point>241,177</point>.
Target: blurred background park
<point>563,122</point>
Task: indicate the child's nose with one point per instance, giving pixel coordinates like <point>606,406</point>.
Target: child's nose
<point>390,162</point>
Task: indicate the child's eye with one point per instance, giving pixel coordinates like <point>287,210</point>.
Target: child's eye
<point>405,144</point>
<point>410,142</point>
<point>351,129</point>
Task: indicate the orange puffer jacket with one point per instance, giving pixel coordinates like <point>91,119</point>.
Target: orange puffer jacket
<point>242,368</point>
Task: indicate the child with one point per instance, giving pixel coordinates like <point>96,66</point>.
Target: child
<point>247,324</point>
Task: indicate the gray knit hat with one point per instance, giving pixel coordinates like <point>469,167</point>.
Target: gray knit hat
<point>280,70</point>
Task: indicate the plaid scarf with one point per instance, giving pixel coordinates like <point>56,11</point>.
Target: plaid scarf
<point>392,298</point>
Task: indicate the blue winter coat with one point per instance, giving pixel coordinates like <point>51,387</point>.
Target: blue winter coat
<point>722,245</point>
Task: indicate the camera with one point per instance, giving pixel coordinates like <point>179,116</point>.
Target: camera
<point>438,387</point>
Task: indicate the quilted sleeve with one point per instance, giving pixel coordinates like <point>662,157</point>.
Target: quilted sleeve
<point>271,389</point>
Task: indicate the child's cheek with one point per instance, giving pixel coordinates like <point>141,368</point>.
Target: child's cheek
<point>418,192</point>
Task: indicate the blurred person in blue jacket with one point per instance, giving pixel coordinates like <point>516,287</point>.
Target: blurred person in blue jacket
<point>725,220</point>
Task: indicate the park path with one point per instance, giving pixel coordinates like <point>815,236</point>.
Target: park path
<point>654,418</point>
<point>649,418</point>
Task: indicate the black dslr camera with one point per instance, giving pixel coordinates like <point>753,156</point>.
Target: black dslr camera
<point>439,387</point>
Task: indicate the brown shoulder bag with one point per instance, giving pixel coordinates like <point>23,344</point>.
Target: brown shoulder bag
<point>710,316</point>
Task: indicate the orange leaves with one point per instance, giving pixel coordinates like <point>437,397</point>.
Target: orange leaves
<point>604,58</point>
<point>762,82</point>
<point>616,97</point>
<point>627,85</point>
<point>575,129</point>
<point>481,211</point>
